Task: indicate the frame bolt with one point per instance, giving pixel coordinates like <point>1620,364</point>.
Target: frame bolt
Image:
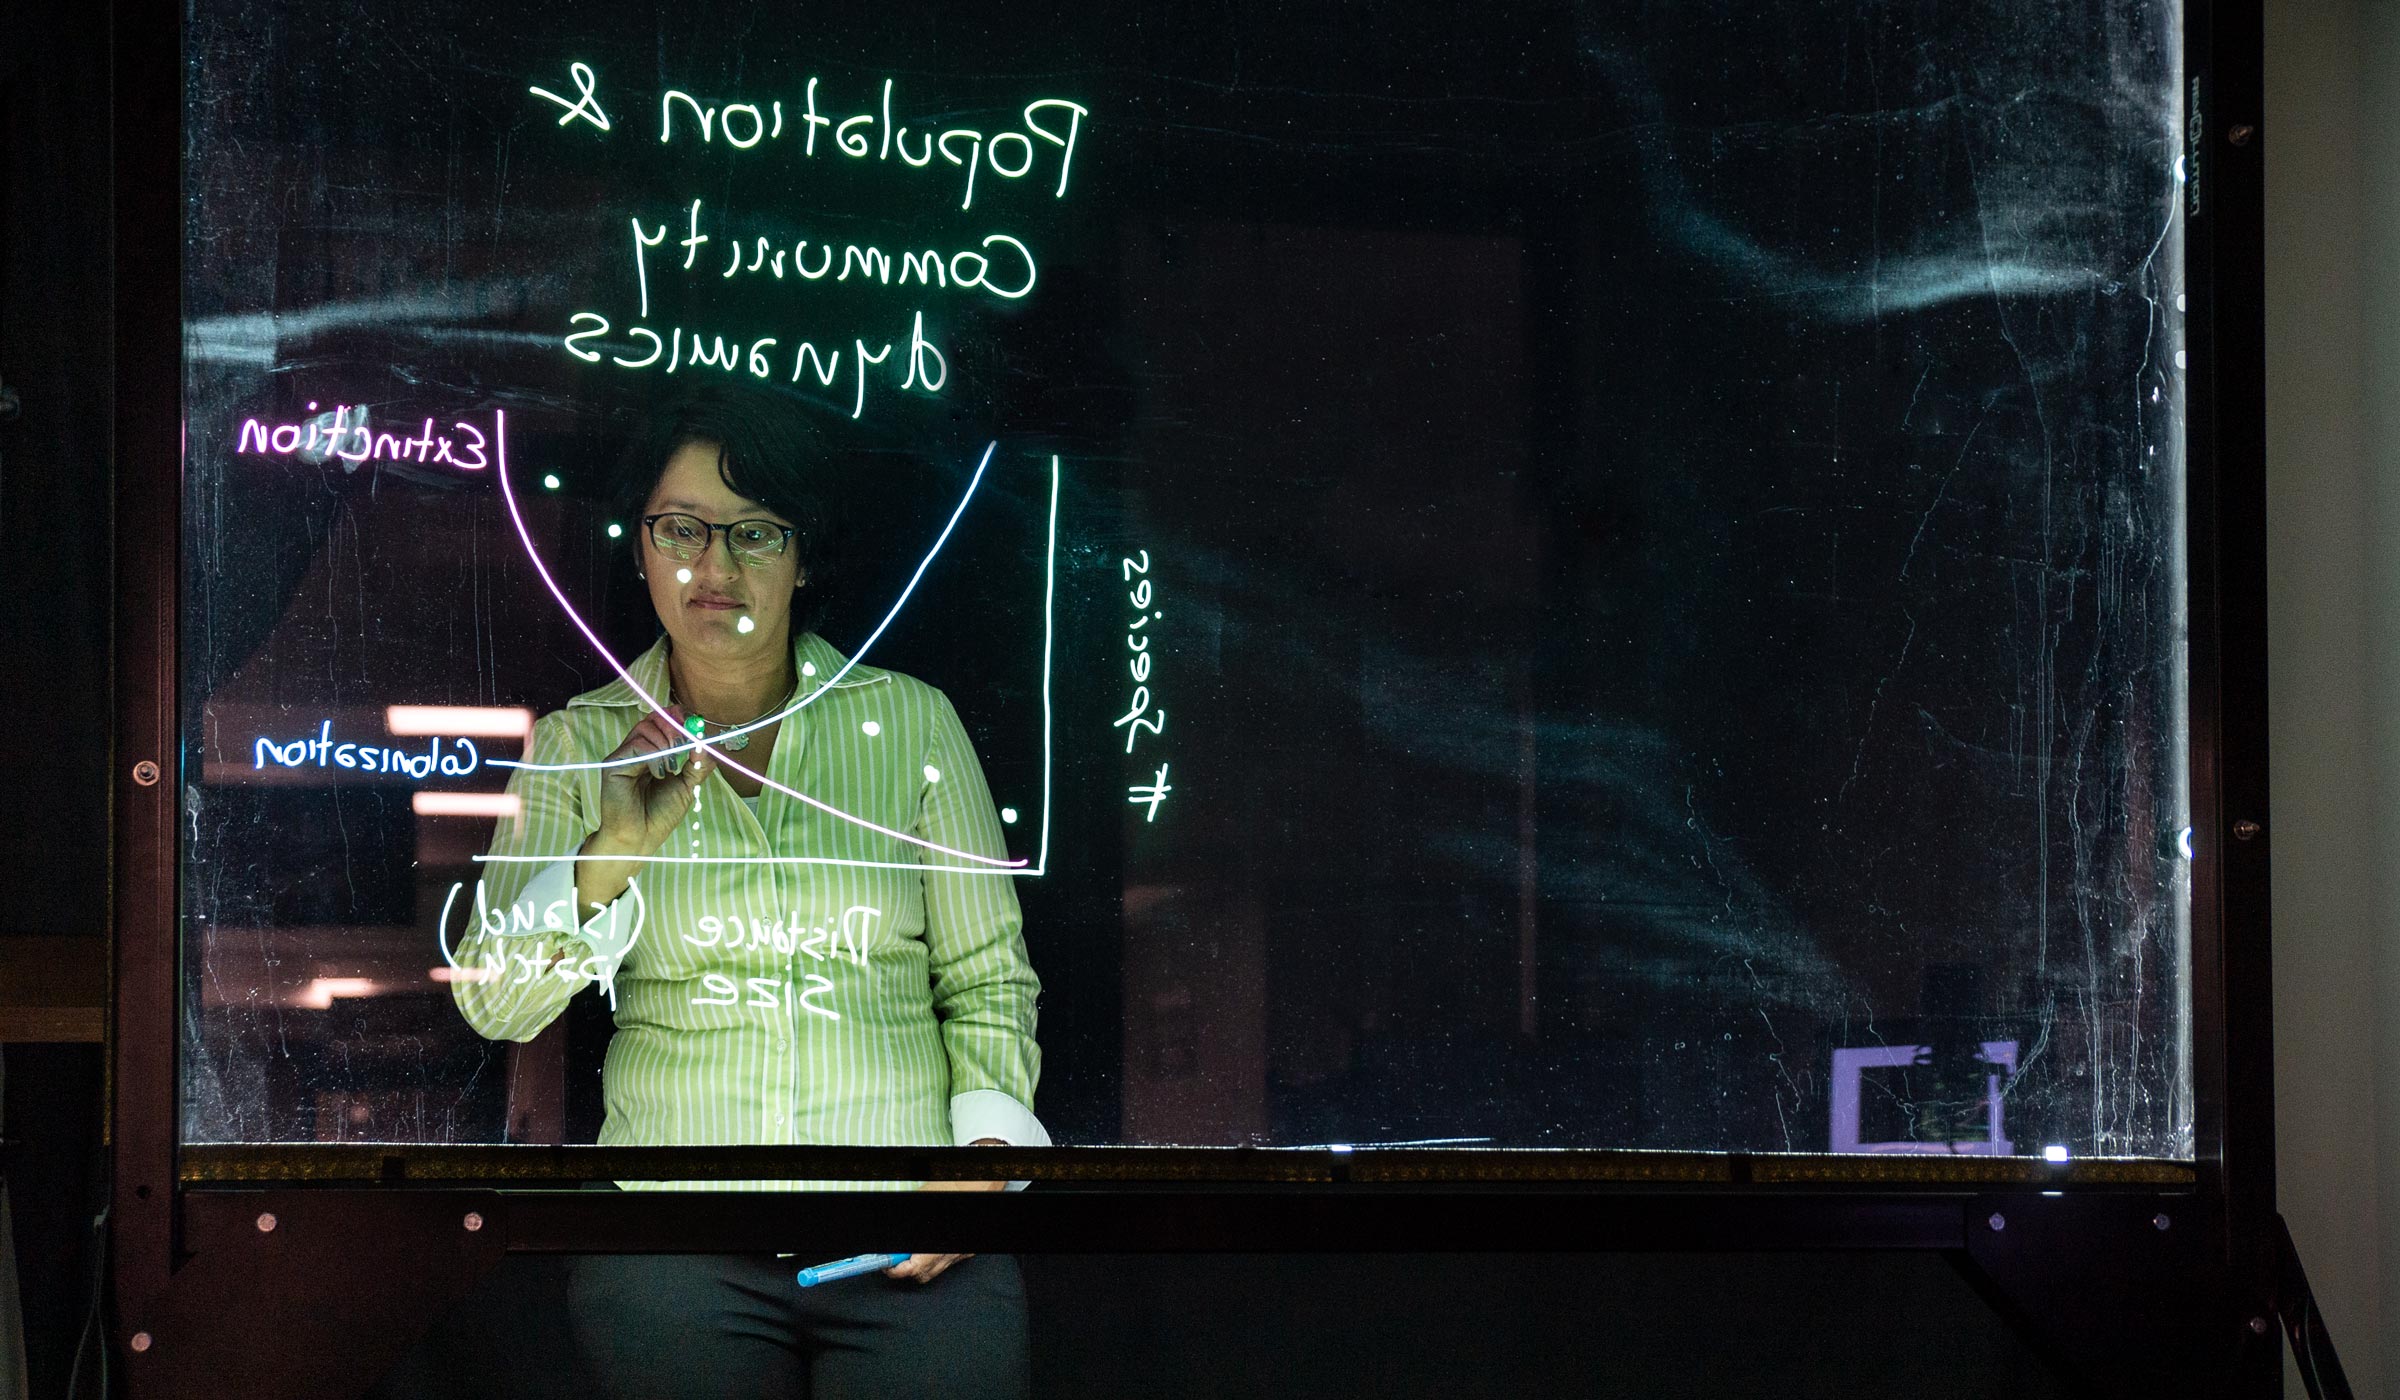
<point>2246,830</point>
<point>266,1221</point>
<point>474,1220</point>
<point>146,773</point>
<point>2160,1220</point>
<point>1998,1221</point>
<point>2240,135</point>
<point>2259,1325</point>
<point>140,1341</point>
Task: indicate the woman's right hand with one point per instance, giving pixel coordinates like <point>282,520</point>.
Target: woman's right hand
<point>641,803</point>
<point>638,812</point>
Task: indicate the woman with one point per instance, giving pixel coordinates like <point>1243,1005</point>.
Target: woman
<point>875,992</point>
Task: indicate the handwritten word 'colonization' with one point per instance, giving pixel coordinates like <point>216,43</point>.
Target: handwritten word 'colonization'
<point>322,751</point>
<point>1011,154</point>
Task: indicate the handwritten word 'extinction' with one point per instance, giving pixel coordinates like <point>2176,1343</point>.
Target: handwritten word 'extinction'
<point>322,751</point>
<point>344,433</point>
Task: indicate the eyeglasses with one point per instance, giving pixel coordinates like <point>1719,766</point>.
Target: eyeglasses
<point>757,543</point>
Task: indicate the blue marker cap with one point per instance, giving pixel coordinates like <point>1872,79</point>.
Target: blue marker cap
<point>849,1268</point>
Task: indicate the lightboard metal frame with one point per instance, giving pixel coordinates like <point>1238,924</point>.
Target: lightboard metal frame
<point>227,1256</point>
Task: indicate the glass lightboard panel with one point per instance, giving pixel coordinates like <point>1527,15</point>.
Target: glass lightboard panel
<point>1593,575</point>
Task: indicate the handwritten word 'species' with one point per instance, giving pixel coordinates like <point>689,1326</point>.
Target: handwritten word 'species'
<point>1138,718</point>
<point>322,752</point>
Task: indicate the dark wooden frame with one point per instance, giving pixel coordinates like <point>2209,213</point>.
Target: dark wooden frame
<point>268,1271</point>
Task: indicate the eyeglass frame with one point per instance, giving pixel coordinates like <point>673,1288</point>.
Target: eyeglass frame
<point>746,556</point>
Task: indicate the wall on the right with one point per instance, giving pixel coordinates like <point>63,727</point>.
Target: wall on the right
<point>2333,602</point>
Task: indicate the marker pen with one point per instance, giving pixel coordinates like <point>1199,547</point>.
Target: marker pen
<point>849,1268</point>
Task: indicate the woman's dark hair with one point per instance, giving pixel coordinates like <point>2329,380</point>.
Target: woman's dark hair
<point>770,451</point>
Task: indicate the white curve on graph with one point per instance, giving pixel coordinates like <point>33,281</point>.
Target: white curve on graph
<point>813,696</point>
<point>508,496</point>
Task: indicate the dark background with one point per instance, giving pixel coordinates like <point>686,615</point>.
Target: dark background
<point>55,597</point>
<point>48,325</point>
<point>1670,548</point>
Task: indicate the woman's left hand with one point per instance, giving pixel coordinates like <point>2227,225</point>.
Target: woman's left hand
<point>925,1268</point>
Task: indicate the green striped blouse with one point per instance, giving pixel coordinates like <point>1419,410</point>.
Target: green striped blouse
<point>873,992</point>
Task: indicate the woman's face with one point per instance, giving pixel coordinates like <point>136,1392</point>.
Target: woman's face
<point>717,606</point>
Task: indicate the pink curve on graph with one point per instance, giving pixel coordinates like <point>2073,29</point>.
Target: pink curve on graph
<point>509,498</point>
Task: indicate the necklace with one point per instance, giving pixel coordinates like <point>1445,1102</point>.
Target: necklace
<point>699,724</point>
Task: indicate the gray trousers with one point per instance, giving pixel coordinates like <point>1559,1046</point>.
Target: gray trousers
<point>737,1327</point>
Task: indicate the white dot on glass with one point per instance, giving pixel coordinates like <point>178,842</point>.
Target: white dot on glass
<point>551,482</point>
<point>808,668</point>
<point>683,576</point>
<point>1009,815</point>
<point>745,626</point>
<point>2179,302</point>
<point>932,774</point>
<point>615,531</point>
<point>2179,361</point>
<point>870,729</point>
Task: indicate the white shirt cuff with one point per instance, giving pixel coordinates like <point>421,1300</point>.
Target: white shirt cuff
<point>988,1113</point>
